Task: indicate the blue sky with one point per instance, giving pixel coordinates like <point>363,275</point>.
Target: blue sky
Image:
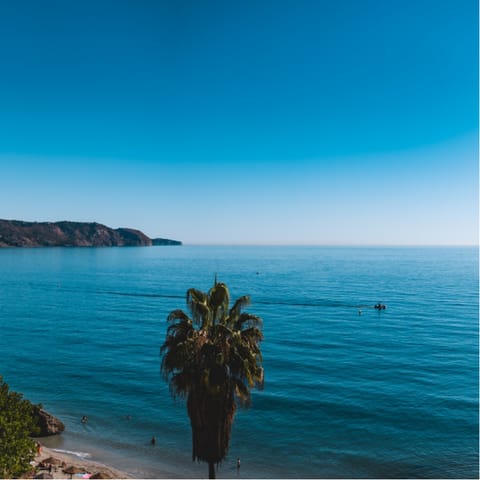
<point>244,122</point>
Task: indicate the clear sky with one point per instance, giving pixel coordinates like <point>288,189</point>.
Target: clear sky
<point>244,122</point>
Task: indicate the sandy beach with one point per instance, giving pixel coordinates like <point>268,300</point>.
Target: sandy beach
<point>61,462</point>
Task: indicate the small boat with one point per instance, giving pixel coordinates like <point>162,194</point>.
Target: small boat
<point>380,306</point>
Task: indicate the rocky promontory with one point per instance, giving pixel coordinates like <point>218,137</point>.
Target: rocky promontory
<point>46,422</point>
<point>165,241</point>
<point>17,233</point>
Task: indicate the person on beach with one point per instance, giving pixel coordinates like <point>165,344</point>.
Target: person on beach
<point>238,463</point>
<point>153,441</point>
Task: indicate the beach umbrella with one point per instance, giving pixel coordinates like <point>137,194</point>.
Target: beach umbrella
<point>72,470</point>
<point>101,475</point>
<point>52,461</point>
<point>43,475</point>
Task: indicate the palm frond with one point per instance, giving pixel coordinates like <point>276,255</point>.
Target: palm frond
<point>180,384</point>
<point>252,335</point>
<point>246,320</point>
<point>196,296</point>
<point>177,315</point>
<point>218,300</point>
<point>260,376</point>
<point>180,330</point>
<point>242,392</point>
<point>197,302</point>
<point>241,303</point>
<point>222,331</point>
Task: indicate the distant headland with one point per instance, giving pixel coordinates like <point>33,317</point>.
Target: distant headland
<point>17,233</point>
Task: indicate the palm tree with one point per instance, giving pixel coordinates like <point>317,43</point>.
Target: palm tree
<point>212,358</point>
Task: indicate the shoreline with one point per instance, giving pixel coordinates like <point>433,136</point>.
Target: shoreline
<point>123,463</point>
<point>89,466</point>
<point>94,459</point>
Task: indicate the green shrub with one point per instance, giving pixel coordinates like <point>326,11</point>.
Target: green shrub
<point>17,449</point>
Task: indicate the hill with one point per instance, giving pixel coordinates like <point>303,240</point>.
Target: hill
<point>17,233</point>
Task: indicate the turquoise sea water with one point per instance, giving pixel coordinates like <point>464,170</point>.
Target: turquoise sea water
<point>384,394</point>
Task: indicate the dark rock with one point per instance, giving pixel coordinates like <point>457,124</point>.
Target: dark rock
<point>47,423</point>
<point>164,241</point>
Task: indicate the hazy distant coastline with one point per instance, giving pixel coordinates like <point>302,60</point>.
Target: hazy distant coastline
<point>18,233</point>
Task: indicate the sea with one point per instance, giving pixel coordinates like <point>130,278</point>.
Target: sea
<point>350,391</point>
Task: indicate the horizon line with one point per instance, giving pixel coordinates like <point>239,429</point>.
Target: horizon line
<point>369,245</point>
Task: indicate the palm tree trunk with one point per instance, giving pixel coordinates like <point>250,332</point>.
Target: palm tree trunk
<point>211,470</point>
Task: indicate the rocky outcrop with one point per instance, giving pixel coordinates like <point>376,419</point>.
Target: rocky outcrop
<point>47,423</point>
<point>165,241</point>
<point>16,233</point>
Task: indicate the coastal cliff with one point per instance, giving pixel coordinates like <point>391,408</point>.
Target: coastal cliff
<point>17,233</point>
